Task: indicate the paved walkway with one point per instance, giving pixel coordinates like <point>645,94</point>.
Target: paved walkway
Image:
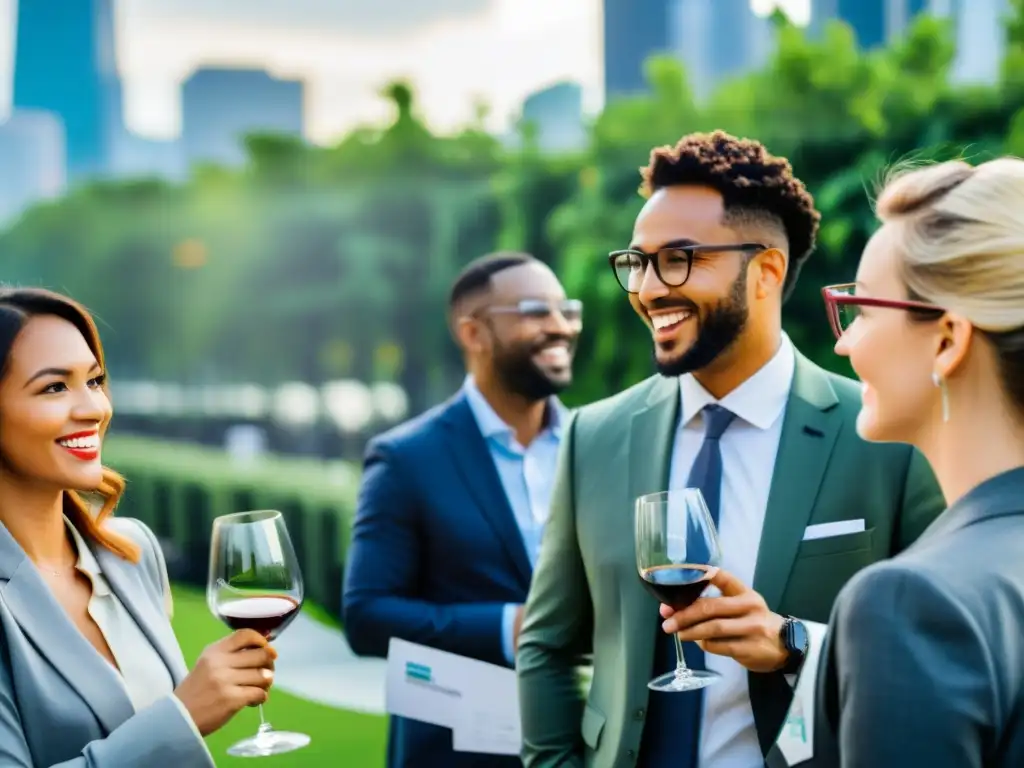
<point>315,662</point>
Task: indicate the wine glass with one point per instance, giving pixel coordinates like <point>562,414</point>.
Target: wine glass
<point>255,583</point>
<point>677,554</point>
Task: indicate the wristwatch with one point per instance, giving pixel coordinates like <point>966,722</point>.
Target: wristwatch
<point>795,640</point>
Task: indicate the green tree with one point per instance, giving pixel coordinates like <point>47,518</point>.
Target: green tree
<point>308,261</point>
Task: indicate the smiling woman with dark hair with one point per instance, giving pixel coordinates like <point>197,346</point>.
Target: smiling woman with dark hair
<point>90,670</point>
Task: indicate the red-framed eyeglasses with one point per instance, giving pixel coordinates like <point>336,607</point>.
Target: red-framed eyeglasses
<point>843,306</point>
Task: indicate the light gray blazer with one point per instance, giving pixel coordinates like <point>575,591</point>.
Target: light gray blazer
<point>924,661</point>
<point>61,703</point>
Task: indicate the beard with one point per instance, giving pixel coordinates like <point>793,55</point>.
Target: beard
<point>718,330</point>
<point>519,374</point>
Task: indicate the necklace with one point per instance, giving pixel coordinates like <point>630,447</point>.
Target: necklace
<point>59,573</point>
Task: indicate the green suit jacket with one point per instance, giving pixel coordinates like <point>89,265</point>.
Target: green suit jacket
<point>586,596</point>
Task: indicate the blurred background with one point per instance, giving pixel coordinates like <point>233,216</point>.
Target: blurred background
<point>264,202</point>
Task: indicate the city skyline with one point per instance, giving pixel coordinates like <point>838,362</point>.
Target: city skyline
<point>455,53</point>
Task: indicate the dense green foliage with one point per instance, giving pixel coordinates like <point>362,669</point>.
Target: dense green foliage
<point>317,263</point>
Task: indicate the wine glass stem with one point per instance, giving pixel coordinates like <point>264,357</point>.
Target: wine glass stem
<point>264,725</point>
<point>681,669</point>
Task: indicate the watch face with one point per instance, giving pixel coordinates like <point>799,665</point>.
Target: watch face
<point>798,636</point>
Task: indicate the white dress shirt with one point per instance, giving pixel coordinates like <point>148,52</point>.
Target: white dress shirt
<point>749,447</point>
<point>140,669</point>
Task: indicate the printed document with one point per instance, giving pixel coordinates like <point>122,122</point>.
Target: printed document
<point>478,701</point>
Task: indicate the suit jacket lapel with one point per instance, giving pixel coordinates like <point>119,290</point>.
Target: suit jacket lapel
<point>808,436</point>
<point>651,439</point>
<point>44,621</point>
<point>473,461</point>
<point>125,582</point>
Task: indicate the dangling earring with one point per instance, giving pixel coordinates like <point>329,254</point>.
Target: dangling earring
<point>940,382</point>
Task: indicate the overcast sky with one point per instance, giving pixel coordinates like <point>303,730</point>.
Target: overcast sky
<point>454,51</point>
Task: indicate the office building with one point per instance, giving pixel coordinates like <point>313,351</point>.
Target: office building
<point>64,63</point>
<point>221,106</point>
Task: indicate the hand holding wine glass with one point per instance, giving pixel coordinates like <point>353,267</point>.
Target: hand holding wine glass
<point>255,585</point>
<point>677,554</point>
<point>233,673</point>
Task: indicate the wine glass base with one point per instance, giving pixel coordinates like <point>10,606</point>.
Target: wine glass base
<point>269,743</point>
<point>691,680</point>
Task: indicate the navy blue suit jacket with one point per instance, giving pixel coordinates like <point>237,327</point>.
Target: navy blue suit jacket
<point>435,555</point>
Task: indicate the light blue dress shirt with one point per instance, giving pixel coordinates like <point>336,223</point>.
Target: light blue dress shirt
<point>527,475</point>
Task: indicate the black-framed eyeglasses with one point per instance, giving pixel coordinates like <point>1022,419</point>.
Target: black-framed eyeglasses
<point>539,309</point>
<point>672,264</point>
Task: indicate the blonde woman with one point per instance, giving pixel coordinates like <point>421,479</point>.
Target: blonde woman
<point>924,663</point>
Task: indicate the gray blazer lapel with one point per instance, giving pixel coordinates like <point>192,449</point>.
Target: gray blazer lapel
<point>126,583</point>
<point>651,439</point>
<point>51,630</point>
<point>809,434</point>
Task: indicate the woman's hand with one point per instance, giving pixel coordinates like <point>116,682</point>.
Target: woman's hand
<point>232,673</point>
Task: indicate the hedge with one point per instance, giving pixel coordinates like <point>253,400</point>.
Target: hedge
<point>178,488</point>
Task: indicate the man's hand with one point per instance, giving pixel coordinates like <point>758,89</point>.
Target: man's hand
<point>517,627</point>
<point>738,624</point>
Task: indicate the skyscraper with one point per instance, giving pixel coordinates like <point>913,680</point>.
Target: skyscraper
<point>32,159</point>
<point>556,113</point>
<point>874,22</point>
<point>718,40</point>
<point>868,19</point>
<point>633,30</point>
<point>64,63</point>
<point>980,39</point>
<point>219,107</point>
<point>900,15</point>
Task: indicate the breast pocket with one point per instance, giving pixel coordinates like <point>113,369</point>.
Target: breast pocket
<point>821,569</point>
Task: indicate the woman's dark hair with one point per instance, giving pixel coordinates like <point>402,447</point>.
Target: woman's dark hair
<point>17,307</point>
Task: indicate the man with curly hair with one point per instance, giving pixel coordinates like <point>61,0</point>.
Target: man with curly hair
<point>800,501</point>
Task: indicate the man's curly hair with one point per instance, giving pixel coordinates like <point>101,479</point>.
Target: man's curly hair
<point>752,182</point>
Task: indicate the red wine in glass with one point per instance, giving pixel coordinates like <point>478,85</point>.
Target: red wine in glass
<point>677,555</point>
<point>266,614</point>
<point>677,585</point>
<point>255,583</point>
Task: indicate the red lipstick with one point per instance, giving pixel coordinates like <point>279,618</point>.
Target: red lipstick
<point>88,450</point>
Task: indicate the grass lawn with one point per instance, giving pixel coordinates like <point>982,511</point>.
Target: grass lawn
<point>339,738</point>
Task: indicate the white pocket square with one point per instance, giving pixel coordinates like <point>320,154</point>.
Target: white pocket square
<point>838,528</point>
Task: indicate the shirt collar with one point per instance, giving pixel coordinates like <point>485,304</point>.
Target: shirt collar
<point>491,424</point>
<point>87,562</point>
<point>758,401</point>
